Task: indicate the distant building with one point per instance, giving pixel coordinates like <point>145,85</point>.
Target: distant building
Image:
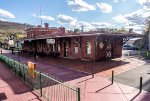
<point>93,45</point>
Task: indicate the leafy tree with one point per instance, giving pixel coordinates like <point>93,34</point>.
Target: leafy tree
<point>76,30</point>
<point>144,42</point>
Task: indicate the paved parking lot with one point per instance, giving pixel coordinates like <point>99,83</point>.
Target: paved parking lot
<point>132,77</point>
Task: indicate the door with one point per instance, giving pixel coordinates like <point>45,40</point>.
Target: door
<point>65,49</point>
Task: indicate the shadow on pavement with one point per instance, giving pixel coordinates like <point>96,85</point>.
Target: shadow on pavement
<point>102,88</point>
<point>2,96</point>
<point>135,96</point>
<point>9,82</point>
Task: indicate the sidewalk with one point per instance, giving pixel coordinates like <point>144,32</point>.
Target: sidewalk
<point>13,89</point>
<point>98,88</point>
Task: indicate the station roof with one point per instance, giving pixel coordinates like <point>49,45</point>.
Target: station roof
<point>91,33</point>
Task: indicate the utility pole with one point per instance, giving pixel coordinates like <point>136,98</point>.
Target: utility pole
<point>40,16</point>
<point>82,28</point>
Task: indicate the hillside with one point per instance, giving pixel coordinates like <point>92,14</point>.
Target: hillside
<point>7,28</point>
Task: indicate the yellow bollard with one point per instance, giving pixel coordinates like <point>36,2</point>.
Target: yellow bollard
<point>29,68</point>
<point>33,70</point>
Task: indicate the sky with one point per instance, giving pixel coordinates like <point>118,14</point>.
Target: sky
<point>73,14</point>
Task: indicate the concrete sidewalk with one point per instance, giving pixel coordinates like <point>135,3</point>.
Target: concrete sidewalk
<point>13,89</point>
<point>98,88</point>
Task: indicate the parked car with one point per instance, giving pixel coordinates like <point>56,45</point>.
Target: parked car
<point>129,47</point>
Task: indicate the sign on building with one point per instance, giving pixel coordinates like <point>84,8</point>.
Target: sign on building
<point>50,41</point>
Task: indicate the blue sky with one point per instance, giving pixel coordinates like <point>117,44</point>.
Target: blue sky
<point>76,13</point>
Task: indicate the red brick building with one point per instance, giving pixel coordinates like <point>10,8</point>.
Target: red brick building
<point>93,45</point>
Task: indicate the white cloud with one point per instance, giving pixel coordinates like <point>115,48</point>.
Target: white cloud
<point>118,1</point>
<point>49,18</point>
<point>145,3</point>
<point>80,5</point>
<point>142,1</point>
<point>87,26</point>
<point>134,20</point>
<point>106,8</point>
<point>100,24</point>
<point>65,19</point>
<point>34,15</point>
<point>73,23</point>
<point>138,17</point>
<point>120,19</point>
<point>115,0</point>
<point>7,14</point>
<point>3,19</point>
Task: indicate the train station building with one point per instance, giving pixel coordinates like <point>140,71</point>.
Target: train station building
<point>92,45</point>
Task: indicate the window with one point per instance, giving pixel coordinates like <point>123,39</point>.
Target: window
<point>75,47</point>
<point>88,47</point>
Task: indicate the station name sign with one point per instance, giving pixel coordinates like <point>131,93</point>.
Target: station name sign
<point>50,41</point>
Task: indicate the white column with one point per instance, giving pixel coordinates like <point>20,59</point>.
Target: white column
<point>53,47</point>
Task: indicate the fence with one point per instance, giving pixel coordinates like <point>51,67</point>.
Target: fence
<point>47,86</point>
<point>145,54</point>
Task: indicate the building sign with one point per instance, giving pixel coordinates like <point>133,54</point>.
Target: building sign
<point>50,41</point>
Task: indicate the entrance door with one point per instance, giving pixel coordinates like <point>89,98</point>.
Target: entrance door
<point>65,49</point>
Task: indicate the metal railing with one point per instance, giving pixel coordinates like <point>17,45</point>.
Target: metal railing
<point>47,86</point>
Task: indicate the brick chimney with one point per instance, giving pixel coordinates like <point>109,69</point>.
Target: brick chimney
<point>62,30</point>
<point>46,25</point>
<point>130,30</point>
<point>39,26</point>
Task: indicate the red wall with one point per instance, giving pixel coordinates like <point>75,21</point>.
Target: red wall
<point>96,52</point>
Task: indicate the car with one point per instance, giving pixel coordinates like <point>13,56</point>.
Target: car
<point>129,47</point>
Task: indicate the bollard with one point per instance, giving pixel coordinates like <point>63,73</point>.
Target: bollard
<point>141,84</point>
<point>112,77</point>
<point>128,54</point>
<point>40,85</point>
<point>24,75</point>
<point>78,89</point>
<point>92,72</point>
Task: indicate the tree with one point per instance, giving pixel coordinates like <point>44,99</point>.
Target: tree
<point>76,30</point>
<point>144,42</point>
